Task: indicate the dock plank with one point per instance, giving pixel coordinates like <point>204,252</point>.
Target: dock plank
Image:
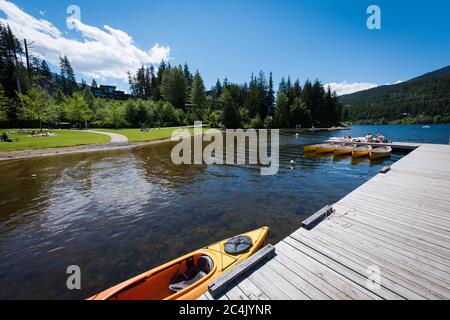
<point>236,294</point>
<point>352,266</point>
<point>400,265</point>
<point>395,246</point>
<point>344,280</point>
<point>413,244</point>
<point>251,290</point>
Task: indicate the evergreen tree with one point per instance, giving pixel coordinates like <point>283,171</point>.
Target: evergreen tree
<point>43,77</point>
<point>94,84</point>
<point>288,87</point>
<point>156,95</point>
<point>4,105</point>
<point>270,99</point>
<point>59,96</point>
<point>306,96</point>
<point>161,69</point>
<point>317,106</point>
<point>68,81</point>
<point>300,114</point>
<point>230,115</point>
<point>283,88</point>
<point>331,108</point>
<point>154,87</point>
<point>13,74</point>
<point>45,70</point>
<point>282,111</point>
<point>198,95</point>
<point>147,84</point>
<point>262,95</point>
<point>296,91</point>
<point>142,85</point>
<point>188,75</point>
<point>173,87</point>
<point>218,88</point>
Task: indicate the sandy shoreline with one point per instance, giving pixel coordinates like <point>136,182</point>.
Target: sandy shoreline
<point>50,152</point>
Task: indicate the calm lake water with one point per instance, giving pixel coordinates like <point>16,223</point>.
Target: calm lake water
<point>117,214</point>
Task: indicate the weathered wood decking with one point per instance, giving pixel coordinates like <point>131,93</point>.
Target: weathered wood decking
<point>397,223</point>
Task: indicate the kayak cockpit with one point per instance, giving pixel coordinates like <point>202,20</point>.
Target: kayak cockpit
<point>195,273</point>
<point>169,282</point>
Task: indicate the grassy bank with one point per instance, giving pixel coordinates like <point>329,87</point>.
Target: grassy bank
<point>136,135</point>
<point>63,138</point>
<point>72,138</point>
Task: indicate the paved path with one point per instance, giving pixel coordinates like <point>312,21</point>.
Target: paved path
<point>115,138</point>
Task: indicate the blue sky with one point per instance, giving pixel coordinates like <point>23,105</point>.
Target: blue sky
<point>328,40</point>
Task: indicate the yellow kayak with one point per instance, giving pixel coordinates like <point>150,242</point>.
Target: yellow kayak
<point>326,148</point>
<point>361,151</point>
<point>311,148</point>
<point>188,277</point>
<point>380,153</point>
<point>343,150</point>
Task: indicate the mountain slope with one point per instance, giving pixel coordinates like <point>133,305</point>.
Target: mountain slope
<point>423,99</point>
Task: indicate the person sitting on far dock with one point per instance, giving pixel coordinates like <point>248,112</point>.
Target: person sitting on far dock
<point>369,137</point>
<point>381,138</point>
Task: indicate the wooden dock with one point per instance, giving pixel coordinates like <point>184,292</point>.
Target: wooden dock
<point>389,239</point>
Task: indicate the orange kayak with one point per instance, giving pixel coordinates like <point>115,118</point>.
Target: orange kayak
<point>188,277</point>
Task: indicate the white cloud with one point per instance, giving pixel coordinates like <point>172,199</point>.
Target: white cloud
<point>343,88</point>
<point>101,53</point>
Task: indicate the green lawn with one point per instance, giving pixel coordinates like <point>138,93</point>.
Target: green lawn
<point>136,135</point>
<point>63,138</point>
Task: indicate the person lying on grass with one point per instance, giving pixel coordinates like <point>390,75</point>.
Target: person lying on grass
<point>6,138</point>
<point>35,134</point>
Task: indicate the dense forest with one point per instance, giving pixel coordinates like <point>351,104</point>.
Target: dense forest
<point>164,95</point>
<point>425,99</point>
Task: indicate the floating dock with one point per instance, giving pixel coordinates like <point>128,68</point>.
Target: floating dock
<point>330,129</point>
<point>405,146</point>
<point>389,239</point>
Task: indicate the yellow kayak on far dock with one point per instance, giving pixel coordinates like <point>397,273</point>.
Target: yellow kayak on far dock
<point>343,150</point>
<point>361,151</point>
<point>326,148</point>
<point>311,148</point>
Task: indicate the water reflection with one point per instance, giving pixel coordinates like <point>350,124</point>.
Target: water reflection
<point>117,214</point>
<point>156,162</point>
<point>343,158</point>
